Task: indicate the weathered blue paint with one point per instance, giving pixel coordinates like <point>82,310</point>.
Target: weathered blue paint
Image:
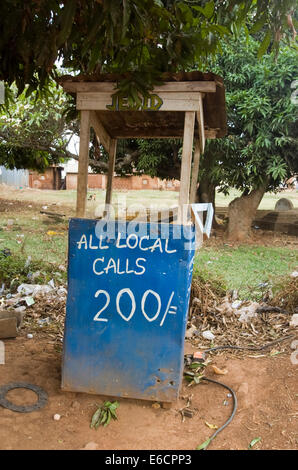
<point>126,354</point>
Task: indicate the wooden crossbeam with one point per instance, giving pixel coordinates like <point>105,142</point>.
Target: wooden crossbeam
<point>164,101</point>
<point>204,86</point>
<point>159,133</point>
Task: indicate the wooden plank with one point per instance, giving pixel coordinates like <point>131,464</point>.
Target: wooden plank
<point>180,101</point>
<point>204,86</point>
<point>179,95</point>
<point>100,131</point>
<point>83,164</point>
<point>195,172</point>
<point>189,123</point>
<point>200,118</point>
<point>166,133</point>
<point>112,159</point>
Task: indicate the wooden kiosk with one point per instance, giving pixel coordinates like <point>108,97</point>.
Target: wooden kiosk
<point>189,106</point>
<point>128,294</point>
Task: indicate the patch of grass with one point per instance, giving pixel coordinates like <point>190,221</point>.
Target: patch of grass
<point>32,249</point>
<point>249,269</point>
<point>29,237</point>
<point>268,202</point>
<point>246,268</point>
<point>14,271</point>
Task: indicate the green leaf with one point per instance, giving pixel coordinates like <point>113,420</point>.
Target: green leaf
<point>195,365</point>
<point>197,379</point>
<point>126,16</point>
<point>95,417</point>
<point>254,442</point>
<point>258,24</point>
<point>204,445</point>
<point>108,418</point>
<point>209,9</point>
<point>265,44</point>
<point>67,18</point>
<point>103,417</point>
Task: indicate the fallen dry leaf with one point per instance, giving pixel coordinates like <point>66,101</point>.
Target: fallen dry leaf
<point>156,406</point>
<point>211,426</point>
<point>218,371</point>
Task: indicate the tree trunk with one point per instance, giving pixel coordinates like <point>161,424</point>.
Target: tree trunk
<point>242,211</point>
<point>206,192</point>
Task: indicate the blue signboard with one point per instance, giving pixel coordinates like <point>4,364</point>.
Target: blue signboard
<point>127,305</point>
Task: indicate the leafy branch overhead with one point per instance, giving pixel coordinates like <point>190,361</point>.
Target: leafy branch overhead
<point>262,119</point>
<point>34,131</point>
<point>140,39</point>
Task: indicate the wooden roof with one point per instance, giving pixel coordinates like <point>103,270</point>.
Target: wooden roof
<point>180,92</point>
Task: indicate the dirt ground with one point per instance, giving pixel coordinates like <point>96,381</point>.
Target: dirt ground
<point>266,389</point>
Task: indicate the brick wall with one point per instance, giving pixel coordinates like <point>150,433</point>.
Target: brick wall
<point>124,183</point>
<point>94,181</point>
<point>50,179</point>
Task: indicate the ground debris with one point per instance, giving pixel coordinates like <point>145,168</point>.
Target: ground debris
<point>45,311</point>
<point>187,413</point>
<point>287,295</point>
<point>238,322</point>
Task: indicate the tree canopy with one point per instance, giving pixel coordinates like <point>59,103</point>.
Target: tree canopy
<point>34,131</point>
<point>138,38</point>
<point>262,141</point>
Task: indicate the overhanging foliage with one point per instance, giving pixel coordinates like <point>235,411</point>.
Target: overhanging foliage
<point>140,38</point>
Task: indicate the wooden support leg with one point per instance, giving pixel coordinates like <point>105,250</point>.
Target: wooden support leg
<point>195,172</point>
<point>189,123</point>
<point>83,164</point>
<point>200,117</point>
<point>112,159</point>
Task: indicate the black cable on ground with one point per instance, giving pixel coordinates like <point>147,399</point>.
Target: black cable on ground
<point>249,348</point>
<point>233,412</point>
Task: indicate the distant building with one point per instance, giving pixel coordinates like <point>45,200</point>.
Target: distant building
<point>65,177</point>
<point>99,181</point>
<point>51,178</point>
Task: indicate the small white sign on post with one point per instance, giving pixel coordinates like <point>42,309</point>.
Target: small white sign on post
<point>2,94</point>
<point>2,353</point>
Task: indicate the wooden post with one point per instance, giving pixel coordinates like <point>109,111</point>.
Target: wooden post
<point>112,159</point>
<point>83,164</point>
<point>195,172</point>
<point>200,118</point>
<point>189,123</point>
